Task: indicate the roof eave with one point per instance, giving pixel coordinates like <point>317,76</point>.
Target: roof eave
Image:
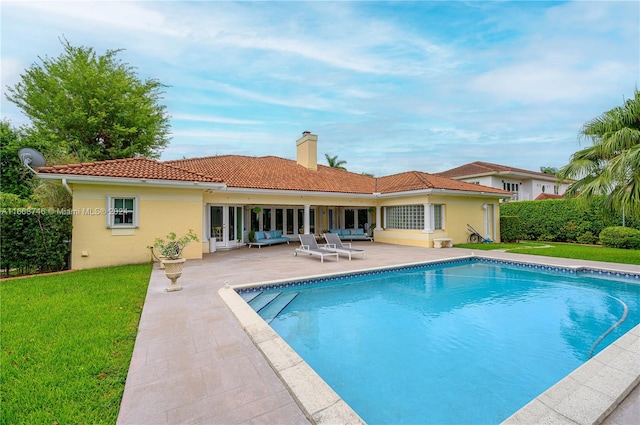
<point>310,193</point>
<point>445,192</point>
<point>474,175</point>
<point>127,181</point>
<point>510,173</point>
<point>518,174</point>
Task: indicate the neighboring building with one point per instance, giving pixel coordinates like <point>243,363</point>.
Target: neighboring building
<point>121,206</point>
<point>526,185</point>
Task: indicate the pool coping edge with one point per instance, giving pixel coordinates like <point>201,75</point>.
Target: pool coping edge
<point>317,400</point>
<point>586,396</point>
<point>592,391</point>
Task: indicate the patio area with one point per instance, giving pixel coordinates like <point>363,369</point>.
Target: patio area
<point>193,362</point>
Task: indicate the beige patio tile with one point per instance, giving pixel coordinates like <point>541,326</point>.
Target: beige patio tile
<point>194,363</point>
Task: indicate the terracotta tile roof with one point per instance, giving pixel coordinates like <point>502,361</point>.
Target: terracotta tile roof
<point>268,172</point>
<point>479,168</point>
<point>133,168</point>
<point>543,196</point>
<point>417,180</point>
<point>271,172</point>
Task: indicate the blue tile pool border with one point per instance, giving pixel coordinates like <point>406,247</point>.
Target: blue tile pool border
<point>433,264</point>
<point>584,397</point>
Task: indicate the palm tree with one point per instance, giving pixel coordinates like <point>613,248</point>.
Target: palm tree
<point>334,162</point>
<point>611,166</point>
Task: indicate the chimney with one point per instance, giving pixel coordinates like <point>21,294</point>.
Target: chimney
<point>308,151</point>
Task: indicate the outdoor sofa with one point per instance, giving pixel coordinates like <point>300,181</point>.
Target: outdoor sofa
<point>351,234</point>
<point>269,237</point>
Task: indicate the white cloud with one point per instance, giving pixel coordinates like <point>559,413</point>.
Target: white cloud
<point>213,119</point>
<point>567,55</point>
<point>11,69</point>
<point>387,86</point>
<point>102,17</point>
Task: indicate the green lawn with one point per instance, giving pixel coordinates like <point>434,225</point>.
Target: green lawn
<point>563,250</point>
<point>67,341</point>
<point>67,338</point>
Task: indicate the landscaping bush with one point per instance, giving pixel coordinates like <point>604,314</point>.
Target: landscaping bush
<point>620,237</point>
<point>587,238</point>
<point>9,200</point>
<point>34,240</point>
<point>565,220</point>
<point>510,230</point>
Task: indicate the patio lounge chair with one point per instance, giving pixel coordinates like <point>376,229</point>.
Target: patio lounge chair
<point>308,245</point>
<point>334,243</point>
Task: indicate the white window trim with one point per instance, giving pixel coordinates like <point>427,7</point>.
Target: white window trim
<point>433,216</point>
<point>428,218</point>
<point>110,212</point>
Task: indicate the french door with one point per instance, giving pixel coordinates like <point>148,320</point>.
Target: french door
<point>226,225</point>
<point>288,219</point>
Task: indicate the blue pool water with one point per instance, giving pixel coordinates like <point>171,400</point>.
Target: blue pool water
<point>470,342</point>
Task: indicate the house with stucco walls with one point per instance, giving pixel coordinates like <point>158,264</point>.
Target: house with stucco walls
<point>121,206</point>
<point>526,185</point>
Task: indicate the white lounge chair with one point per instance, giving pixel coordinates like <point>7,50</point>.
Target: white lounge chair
<point>308,245</point>
<point>335,244</point>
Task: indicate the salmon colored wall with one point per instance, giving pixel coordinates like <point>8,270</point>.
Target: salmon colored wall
<point>161,211</point>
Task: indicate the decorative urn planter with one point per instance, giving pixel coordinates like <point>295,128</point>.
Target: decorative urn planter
<point>173,270</point>
<point>170,252</point>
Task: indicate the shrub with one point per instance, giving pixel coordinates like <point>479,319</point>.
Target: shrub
<point>9,200</point>
<point>33,240</point>
<point>565,220</point>
<point>587,238</point>
<point>510,230</point>
<point>620,237</point>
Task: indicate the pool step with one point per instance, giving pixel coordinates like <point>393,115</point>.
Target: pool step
<point>259,302</point>
<point>248,296</point>
<point>271,311</point>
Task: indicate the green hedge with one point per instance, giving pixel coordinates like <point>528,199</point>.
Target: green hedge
<point>510,228</point>
<point>565,220</point>
<point>620,237</point>
<point>9,200</point>
<point>34,240</point>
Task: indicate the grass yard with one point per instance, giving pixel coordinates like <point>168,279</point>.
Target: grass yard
<point>563,250</point>
<point>67,341</point>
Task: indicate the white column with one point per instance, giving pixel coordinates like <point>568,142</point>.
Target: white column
<point>427,219</point>
<point>307,219</point>
<point>205,222</point>
<point>378,218</point>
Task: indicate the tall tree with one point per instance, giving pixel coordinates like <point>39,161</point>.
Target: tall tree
<point>93,105</point>
<point>549,170</point>
<point>16,178</point>
<point>334,162</point>
<point>611,165</point>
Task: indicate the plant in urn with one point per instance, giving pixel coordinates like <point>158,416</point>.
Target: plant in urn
<point>170,249</point>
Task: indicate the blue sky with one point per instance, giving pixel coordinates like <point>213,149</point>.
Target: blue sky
<point>386,86</point>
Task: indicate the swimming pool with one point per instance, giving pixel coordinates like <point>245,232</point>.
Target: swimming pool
<point>461,342</point>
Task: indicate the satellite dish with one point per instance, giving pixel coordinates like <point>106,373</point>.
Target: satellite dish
<point>31,157</point>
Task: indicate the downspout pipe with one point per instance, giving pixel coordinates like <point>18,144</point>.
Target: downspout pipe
<point>66,186</point>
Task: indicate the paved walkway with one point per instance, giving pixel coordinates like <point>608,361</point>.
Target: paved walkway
<point>192,362</point>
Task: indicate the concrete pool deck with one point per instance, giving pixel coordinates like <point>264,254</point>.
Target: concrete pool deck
<point>194,363</point>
